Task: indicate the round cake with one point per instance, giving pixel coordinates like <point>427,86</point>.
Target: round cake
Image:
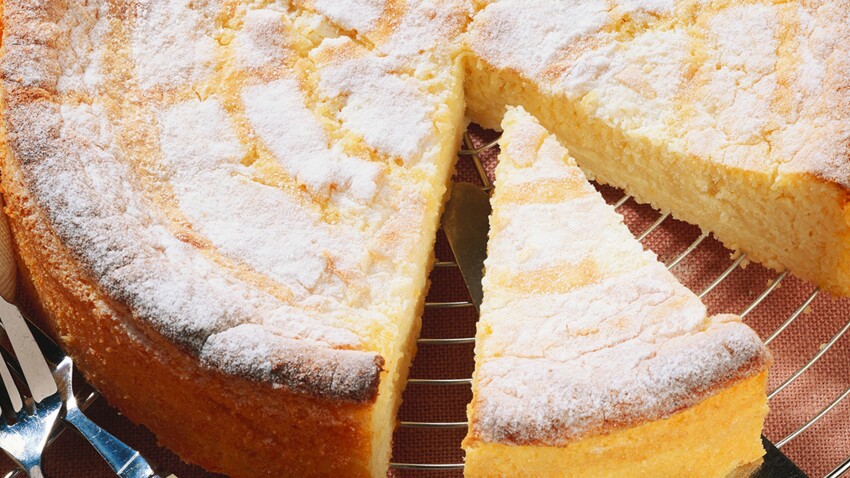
<point>226,210</point>
<point>228,214</point>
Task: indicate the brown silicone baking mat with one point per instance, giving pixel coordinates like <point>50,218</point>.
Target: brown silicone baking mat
<point>817,450</point>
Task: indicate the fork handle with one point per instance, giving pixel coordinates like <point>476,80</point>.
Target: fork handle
<point>124,461</point>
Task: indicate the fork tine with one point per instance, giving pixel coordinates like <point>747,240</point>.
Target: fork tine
<point>36,372</point>
<point>11,388</point>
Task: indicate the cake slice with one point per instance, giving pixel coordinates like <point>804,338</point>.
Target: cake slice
<point>591,358</point>
<point>731,115</point>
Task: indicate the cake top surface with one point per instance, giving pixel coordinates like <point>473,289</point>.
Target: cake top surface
<point>581,330</point>
<point>260,183</point>
<point>761,86</point>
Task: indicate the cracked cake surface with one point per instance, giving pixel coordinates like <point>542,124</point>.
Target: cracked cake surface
<point>238,174</point>
<point>249,193</point>
<point>245,195</point>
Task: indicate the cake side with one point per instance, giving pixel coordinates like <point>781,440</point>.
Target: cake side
<point>102,335</point>
<point>582,332</point>
<point>293,261</point>
<point>71,166</point>
<point>716,445</point>
<point>637,99</point>
<point>183,401</point>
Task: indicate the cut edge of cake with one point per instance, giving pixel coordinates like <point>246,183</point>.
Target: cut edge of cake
<point>790,213</point>
<point>536,400</point>
<point>338,399</point>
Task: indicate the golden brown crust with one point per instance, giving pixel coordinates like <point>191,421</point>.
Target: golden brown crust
<point>183,403</point>
<point>815,249</point>
<point>104,244</point>
<point>822,24</point>
<point>622,418</point>
<point>594,352</point>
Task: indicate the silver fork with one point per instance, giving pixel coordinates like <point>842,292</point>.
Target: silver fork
<point>124,461</point>
<point>24,439</point>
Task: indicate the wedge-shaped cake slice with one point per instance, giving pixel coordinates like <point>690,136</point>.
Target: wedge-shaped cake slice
<point>591,358</point>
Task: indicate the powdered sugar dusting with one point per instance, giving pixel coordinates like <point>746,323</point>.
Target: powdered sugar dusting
<point>742,42</point>
<point>819,141</point>
<point>812,72</point>
<point>746,37</point>
<point>628,345</point>
<point>81,70</point>
<point>245,219</point>
<point>173,41</point>
<point>656,7</point>
<point>637,89</point>
<point>643,305</point>
<point>336,373</point>
<point>262,39</point>
<point>528,36</point>
<point>541,401</point>
<point>196,137</point>
<point>359,15</point>
<point>747,43</point>
<point>305,150</point>
<point>106,219</point>
<point>533,248</point>
<point>402,31</point>
<point>387,110</point>
<point>426,27</point>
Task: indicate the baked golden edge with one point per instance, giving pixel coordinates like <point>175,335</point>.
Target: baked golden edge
<point>813,242</point>
<point>224,423</point>
<point>718,437</point>
<point>614,440</point>
<point>270,431</point>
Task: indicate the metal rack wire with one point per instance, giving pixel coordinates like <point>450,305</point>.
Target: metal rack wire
<point>472,152</point>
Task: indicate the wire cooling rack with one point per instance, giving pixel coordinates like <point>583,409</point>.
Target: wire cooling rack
<point>437,308</point>
<point>472,152</point>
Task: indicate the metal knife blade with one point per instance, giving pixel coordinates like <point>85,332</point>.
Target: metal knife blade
<point>466,225</point>
<point>37,373</point>
<point>776,464</point>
